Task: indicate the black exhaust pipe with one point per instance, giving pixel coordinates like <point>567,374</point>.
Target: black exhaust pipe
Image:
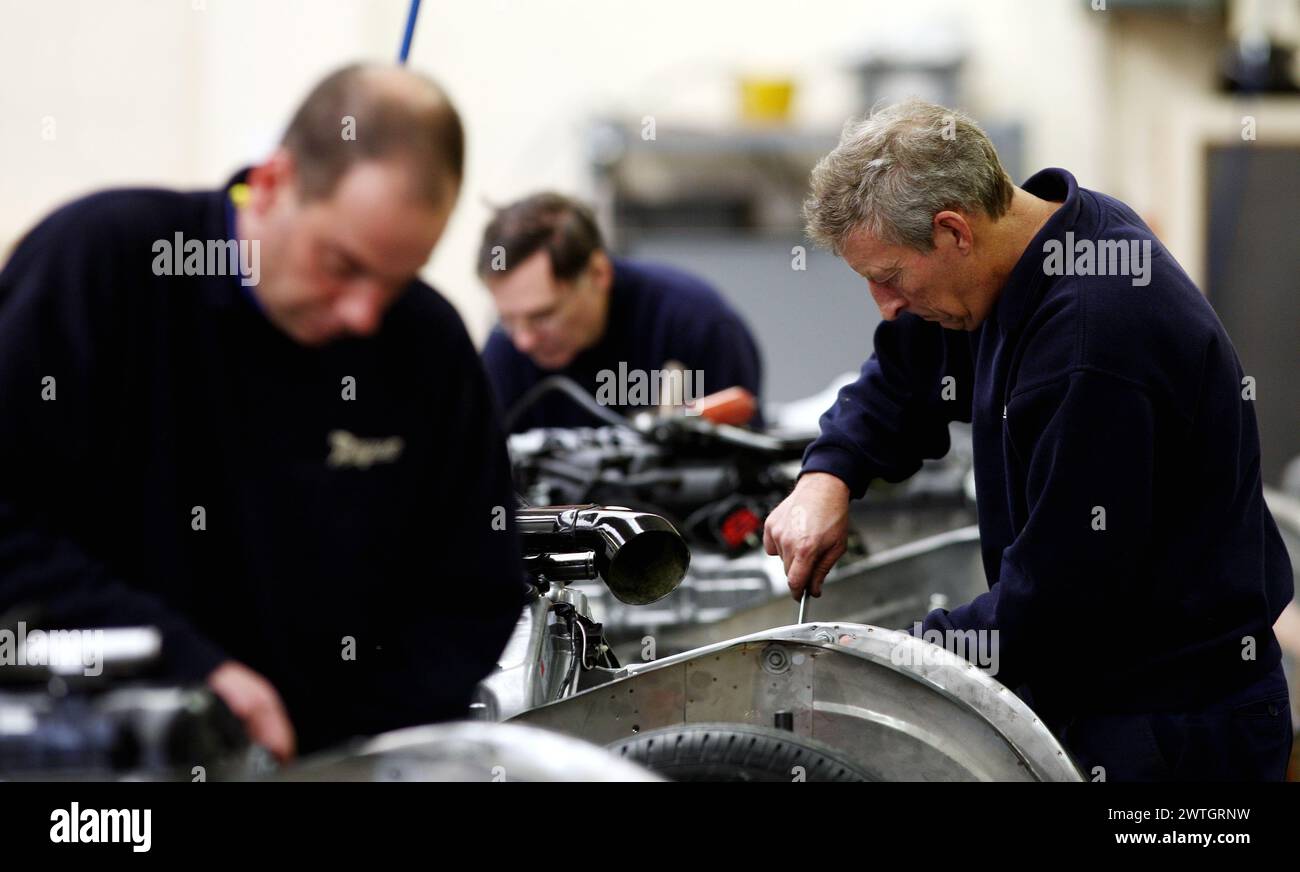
<point>640,556</point>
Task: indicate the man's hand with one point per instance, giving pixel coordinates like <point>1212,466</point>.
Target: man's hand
<point>810,531</point>
<point>255,702</point>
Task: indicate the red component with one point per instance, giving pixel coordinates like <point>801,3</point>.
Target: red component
<point>739,526</point>
<point>734,406</point>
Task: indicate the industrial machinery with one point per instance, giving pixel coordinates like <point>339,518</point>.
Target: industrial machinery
<point>468,751</point>
<point>851,701</point>
<point>892,706</point>
<point>717,483</point>
<point>82,706</point>
<point>557,647</point>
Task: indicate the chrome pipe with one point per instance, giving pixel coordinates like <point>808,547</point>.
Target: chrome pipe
<point>580,566</point>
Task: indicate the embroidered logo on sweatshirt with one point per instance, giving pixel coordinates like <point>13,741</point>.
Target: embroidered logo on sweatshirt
<point>347,449</point>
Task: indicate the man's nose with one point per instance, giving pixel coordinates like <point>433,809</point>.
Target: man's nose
<point>525,339</point>
<point>889,302</point>
<point>362,309</point>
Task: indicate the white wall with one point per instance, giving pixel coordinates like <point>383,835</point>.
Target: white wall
<point>527,74</point>
<point>169,92</point>
<point>157,91</point>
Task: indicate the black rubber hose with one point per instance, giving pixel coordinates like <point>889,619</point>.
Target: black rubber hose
<point>569,388</point>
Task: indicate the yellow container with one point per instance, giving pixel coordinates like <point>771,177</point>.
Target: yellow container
<point>766,100</point>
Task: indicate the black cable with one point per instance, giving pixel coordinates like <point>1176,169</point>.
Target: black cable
<point>569,388</point>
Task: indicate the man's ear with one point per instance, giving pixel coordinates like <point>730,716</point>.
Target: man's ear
<point>952,229</point>
<point>272,179</point>
<point>601,269</point>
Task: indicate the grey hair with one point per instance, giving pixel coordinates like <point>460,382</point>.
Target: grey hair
<point>894,170</point>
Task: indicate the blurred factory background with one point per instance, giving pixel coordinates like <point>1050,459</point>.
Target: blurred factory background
<point>692,126</point>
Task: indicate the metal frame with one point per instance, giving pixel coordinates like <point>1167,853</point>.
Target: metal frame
<point>901,708</point>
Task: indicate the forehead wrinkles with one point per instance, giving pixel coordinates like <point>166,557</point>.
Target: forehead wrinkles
<point>525,302</point>
<point>376,248</point>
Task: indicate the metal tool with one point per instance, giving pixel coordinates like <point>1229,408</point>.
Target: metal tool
<point>803,603</point>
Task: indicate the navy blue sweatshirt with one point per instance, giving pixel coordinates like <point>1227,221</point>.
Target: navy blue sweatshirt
<point>1125,538</point>
<point>656,314</point>
<point>175,392</point>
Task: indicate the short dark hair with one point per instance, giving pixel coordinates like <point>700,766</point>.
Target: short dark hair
<point>395,113</point>
<point>565,228</point>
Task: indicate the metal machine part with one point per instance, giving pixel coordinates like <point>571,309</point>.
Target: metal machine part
<point>562,567</point>
<point>469,751</point>
<point>640,556</point>
<point>129,733</point>
<point>716,587</point>
<point>897,707</point>
<point>557,647</point>
<point>720,483</point>
<point>890,588</point>
<point>900,708</point>
<point>541,660</point>
<point>81,705</point>
<point>76,658</point>
<point>686,468</point>
<point>713,481</point>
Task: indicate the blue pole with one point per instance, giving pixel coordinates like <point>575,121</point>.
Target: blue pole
<point>410,32</point>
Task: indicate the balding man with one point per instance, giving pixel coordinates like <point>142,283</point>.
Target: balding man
<point>238,416</point>
<point>1134,571</point>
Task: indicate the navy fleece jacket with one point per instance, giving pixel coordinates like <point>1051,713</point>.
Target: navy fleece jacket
<point>129,399</point>
<point>656,314</point>
<point>1131,561</point>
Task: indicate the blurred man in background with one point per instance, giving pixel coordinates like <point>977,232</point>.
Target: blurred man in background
<point>567,307</point>
<point>1134,571</point>
<point>239,417</point>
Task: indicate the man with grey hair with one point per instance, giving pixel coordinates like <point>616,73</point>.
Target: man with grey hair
<point>1134,571</point>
